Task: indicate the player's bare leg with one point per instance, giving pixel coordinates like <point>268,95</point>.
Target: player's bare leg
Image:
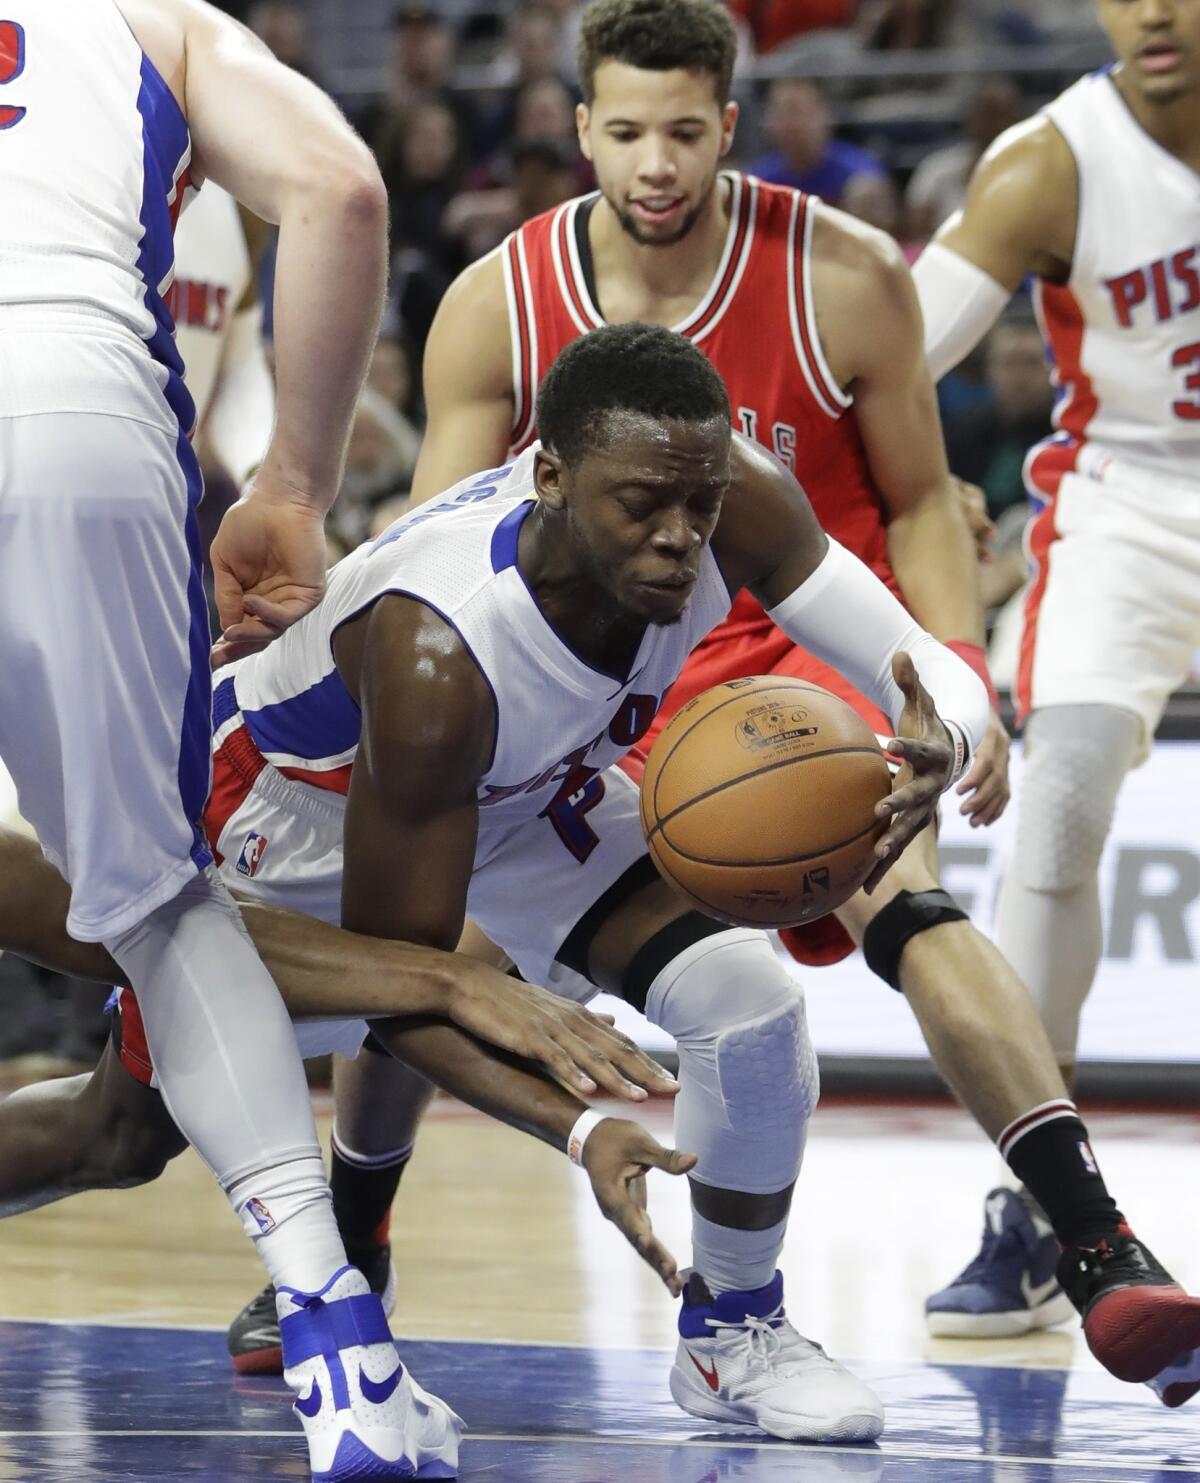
<point>989,1044</point>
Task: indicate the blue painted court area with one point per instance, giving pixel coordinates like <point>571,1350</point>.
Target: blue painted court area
<point>122,1405</point>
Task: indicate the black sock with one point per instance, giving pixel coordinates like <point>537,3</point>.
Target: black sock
<point>1048,1150</point>
<point>362,1196</point>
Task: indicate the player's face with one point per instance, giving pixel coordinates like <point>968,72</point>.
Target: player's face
<point>656,140</point>
<point>1157,43</point>
<point>642,506</point>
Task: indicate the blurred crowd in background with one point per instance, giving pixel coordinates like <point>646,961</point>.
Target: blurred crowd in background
<point>881,107</point>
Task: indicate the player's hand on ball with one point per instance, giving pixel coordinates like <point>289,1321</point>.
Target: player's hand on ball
<point>617,1156</point>
<point>268,560</point>
<point>985,787</point>
<point>923,744</point>
<point>581,1050</point>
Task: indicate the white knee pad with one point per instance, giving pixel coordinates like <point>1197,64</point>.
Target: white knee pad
<point>1075,760</point>
<point>748,1072</point>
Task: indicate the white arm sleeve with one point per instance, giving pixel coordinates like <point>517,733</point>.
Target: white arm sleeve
<point>846,616</point>
<point>959,302</point>
<point>242,412</point>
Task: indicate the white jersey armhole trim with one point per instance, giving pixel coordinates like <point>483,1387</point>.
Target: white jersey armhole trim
<point>840,398</point>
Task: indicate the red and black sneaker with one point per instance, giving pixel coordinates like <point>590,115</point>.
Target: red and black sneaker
<point>253,1338</point>
<point>1137,1319</point>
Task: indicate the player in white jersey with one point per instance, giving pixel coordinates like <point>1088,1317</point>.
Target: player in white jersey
<point>1098,198</point>
<point>439,737</point>
<point>109,110</point>
<point>218,316</point>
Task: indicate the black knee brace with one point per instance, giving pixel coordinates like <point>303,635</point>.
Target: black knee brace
<point>890,929</point>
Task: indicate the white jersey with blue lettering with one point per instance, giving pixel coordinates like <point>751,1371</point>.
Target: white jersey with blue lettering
<point>93,172</point>
<point>559,721</point>
<point>213,271</point>
<point>1124,331</point>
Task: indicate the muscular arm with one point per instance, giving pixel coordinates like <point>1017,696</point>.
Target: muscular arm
<point>1019,218</point>
<point>468,382</point>
<point>427,736</point>
<point>878,351</point>
<point>280,146</point>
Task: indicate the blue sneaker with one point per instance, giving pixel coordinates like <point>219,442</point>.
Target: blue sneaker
<point>364,1416</point>
<point>1011,1287</point>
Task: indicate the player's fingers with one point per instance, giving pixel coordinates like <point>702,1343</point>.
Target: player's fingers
<point>600,1067</point>
<point>629,1059</point>
<point>563,1066</point>
<point>279,614</point>
<point>669,1160</point>
<point>922,756</point>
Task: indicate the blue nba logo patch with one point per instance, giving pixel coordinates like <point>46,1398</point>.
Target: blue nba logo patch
<point>1088,1157</point>
<point>252,852</point>
<point>262,1217</point>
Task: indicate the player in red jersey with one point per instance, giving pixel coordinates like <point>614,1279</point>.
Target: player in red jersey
<point>813,322</point>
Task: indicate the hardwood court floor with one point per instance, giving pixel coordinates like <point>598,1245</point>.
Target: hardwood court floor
<point>523,1307</point>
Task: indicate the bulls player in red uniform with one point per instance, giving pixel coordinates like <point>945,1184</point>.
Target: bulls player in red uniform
<point>813,322</point>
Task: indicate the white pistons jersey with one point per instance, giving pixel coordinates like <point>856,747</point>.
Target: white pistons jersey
<point>213,271</point>
<point>1124,331</point>
<point>94,151</point>
<point>559,722</point>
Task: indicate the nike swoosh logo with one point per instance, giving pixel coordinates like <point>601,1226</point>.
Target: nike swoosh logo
<point>1036,1296</point>
<point>709,1376</point>
<point>310,1404</point>
<point>377,1392</point>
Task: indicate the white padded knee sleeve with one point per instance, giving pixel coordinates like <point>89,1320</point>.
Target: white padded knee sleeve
<point>748,1073</point>
<point>1076,758</point>
<point>1048,924</point>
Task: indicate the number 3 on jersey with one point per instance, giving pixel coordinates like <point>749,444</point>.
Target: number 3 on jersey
<point>12,64</point>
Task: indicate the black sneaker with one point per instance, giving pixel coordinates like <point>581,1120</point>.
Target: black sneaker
<point>1136,1317</point>
<point>253,1338</point>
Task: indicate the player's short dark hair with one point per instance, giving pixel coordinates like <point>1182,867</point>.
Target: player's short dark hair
<point>624,368</point>
<point>657,36</point>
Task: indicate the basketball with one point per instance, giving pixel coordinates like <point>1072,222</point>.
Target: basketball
<point>758,801</point>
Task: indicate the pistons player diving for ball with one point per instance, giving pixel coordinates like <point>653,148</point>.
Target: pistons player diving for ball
<point>440,738</point>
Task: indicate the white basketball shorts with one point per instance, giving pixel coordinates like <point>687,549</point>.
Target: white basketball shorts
<point>105,717</point>
<point>280,841</point>
<point>1113,611</point>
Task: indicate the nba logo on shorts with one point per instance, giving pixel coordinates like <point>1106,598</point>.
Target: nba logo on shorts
<point>252,852</point>
<point>262,1217</point>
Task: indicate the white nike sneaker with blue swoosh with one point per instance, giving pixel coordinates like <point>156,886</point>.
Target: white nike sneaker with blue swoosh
<point>363,1414</point>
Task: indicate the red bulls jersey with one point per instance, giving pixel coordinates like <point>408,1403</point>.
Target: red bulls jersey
<point>757,324</point>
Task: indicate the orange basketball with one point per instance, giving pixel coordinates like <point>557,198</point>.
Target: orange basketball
<point>759,798</point>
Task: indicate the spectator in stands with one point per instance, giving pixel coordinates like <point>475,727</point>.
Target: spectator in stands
<point>422,180</point>
<point>420,71</point>
<point>875,199</point>
<point>283,26</point>
<point>773,22</point>
<point>541,176</point>
<point>543,113</point>
<point>798,122</point>
<point>910,25</point>
<point>939,182</point>
<point>532,47</point>
<point>987,444</point>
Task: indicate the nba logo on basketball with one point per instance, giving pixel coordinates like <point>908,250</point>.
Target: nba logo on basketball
<point>252,852</point>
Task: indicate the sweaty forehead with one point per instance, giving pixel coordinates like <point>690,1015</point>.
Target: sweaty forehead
<point>652,97</point>
<point>631,446</point>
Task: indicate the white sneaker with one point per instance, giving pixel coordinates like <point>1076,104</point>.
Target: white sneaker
<point>740,1360</point>
<point>363,1414</point>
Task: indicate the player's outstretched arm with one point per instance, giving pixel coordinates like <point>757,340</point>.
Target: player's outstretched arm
<point>880,352</point>
<point>831,604</point>
<point>468,381</point>
<point>326,972</point>
<point>281,147</point>
<point>617,1155</point>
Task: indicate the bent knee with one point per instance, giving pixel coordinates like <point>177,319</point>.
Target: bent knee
<point>126,1150</point>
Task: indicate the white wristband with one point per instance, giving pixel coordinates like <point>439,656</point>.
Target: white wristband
<point>580,1134</point>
